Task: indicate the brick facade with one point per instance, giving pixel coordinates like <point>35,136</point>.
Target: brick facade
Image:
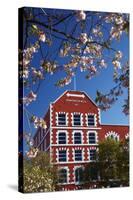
<point>76,142</point>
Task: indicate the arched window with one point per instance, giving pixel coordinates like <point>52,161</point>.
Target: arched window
<point>77,138</point>
<point>79,175</point>
<point>62,176</point>
<point>92,138</point>
<point>112,135</point>
<point>62,138</point>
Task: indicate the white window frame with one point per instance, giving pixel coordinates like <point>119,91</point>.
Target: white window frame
<point>95,119</point>
<point>112,133</point>
<point>66,155</point>
<point>75,168</point>
<point>57,134</point>
<point>81,118</point>
<point>67,177</point>
<point>81,155</point>
<point>66,118</point>
<point>89,153</point>
<point>96,137</point>
<point>77,131</point>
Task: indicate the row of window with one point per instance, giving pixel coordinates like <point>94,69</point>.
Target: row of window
<point>77,155</point>
<point>76,119</point>
<point>79,173</point>
<point>62,175</point>
<point>62,138</point>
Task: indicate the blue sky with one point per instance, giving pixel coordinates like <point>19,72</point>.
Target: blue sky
<point>103,82</point>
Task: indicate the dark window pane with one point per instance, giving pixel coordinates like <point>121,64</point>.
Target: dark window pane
<point>77,138</point>
<point>61,119</point>
<point>78,155</point>
<point>62,138</point>
<point>91,120</point>
<point>92,138</point>
<point>92,154</point>
<point>77,119</point>
<point>62,176</point>
<point>79,175</point>
<point>62,156</point>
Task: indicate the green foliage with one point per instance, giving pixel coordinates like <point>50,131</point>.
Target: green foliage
<point>39,175</point>
<point>111,164</point>
<point>113,159</point>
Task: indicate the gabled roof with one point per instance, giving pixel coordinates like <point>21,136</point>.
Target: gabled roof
<point>75,93</point>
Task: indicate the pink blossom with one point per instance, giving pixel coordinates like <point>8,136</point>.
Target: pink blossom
<point>87,50</point>
<point>39,122</point>
<point>86,60</point>
<point>37,73</point>
<point>115,32</point>
<point>83,38</point>
<point>25,73</point>
<point>42,37</point>
<point>32,153</point>
<point>80,15</point>
<point>31,97</point>
<point>92,69</point>
<point>116,64</point>
<point>119,20</point>
<point>103,64</point>
<point>118,55</point>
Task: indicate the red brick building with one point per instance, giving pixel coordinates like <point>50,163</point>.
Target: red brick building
<point>73,131</point>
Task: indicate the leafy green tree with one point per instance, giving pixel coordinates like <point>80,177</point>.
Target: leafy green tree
<point>39,175</point>
<point>123,162</point>
<point>108,151</point>
<point>111,166</point>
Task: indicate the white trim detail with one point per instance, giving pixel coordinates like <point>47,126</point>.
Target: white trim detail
<point>59,97</point>
<point>78,148</point>
<point>95,119</point>
<point>81,118</point>
<point>57,137</point>
<point>82,138</point>
<point>112,133</point>
<point>56,117</point>
<point>57,154</point>
<point>75,145</point>
<point>96,137</point>
<point>88,153</point>
<point>76,127</point>
<point>71,162</point>
<point>99,115</point>
<point>74,175</point>
<point>50,132</point>
<point>68,174</point>
<point>75,95</point>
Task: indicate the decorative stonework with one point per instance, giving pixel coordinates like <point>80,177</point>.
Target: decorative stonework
<point>81,118</point>
<point>56,118</point>
<point>57,154</point>
<point>57,136</point>
<point>68,173</point>
<point>99,115</point>
<point>112,134</point>
<point>82,138</point>
<point>96,136</point>
<point>74,169</point>
<point>88,151</point>
<point>95,118</point>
